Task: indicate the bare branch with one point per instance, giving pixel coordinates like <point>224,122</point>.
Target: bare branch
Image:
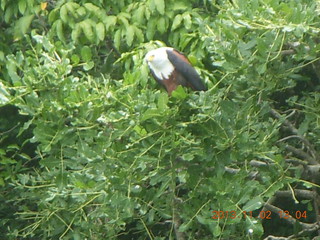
<point>301,154</point>
<point>288,52</point>
<point>312,228</point>
<point>316,204</point>
<point>270,237</point>
<point>290,219</point>
<point>256,163</point>
<point>315,157</point>
<point>176,224</point>
<point>176,220</point>
<point>316,67</point>
<point>313,171</point>
<point>286,122</point>
<point>252,175</point>
<point>305,194</point>
<point>297,162</point>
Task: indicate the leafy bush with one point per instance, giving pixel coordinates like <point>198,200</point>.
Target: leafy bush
<point>92,149</point>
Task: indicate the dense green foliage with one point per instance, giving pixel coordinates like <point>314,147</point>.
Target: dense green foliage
<point>92,148</point>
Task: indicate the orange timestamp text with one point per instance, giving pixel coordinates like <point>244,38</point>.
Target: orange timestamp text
<point>262,214</point>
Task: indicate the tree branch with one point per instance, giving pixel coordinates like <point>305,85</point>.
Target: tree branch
<point>177,221</point>
<point>252,175</point>
<point>314,227</point>
<point>302,154</point>
<point>290,219</point>
<point>305,194</point>
<point>315,157</point>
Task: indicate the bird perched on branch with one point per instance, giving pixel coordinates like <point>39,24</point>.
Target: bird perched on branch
<point>170,68</point>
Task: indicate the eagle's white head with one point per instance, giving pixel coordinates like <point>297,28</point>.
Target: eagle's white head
<point>159,63</point>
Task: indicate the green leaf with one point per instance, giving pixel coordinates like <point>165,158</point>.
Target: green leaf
<point>110,21</point>
<point>62,180</point>
<point>193,59</point>
<point>130,35</point>
<point>160,6</point>
<point>140,130</point>
<point>25,156</point>
<point>53,15</point>
<point>8,13</point>
<point>88,65</point>
<point>217,231</point>
<point>75,59</point>
<point>162,25</point>
<point>12,71</point>
<point>100,28</point>
<point>87,29</point>
<point>86,53</point>
<point>187,21</point>
<point>91,7</point>
<point>7,161</point>
<point>253,204</point>
<point>150,113</point>
<point>59,27</point>
<point>180,5</point>
<point>184,226</point>
<point>70,10</point>
<point>139,14</point>
<point>81,12</point>
<point>176,22</point>
<point>179,93</point>
<point>76,33</point>
<point>255,226</point>
<point>22,5</point>
<point>261,69</point>
<point>2,57</point>
<point>163,101</point>
<point>3,95</point>
<point>188,156</point>
<point>22,26</point>
<point>152,5</point>
<point>151,28</point>
<point>117,38</point>
<point>138,32</point>
<point>123,18</point>
<point>64,13</point>
<point>2,182</point>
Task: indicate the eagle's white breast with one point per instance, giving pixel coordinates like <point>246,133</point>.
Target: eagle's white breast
<point>159,63</point>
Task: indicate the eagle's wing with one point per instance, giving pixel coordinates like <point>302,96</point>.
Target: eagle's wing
<point>183,66</point>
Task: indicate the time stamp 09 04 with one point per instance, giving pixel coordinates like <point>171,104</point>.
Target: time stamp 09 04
<point>262,214</point>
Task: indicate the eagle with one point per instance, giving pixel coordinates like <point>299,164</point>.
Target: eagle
<point>171,68</point>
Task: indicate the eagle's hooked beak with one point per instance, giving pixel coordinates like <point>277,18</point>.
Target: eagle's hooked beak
<point>149,58</point>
